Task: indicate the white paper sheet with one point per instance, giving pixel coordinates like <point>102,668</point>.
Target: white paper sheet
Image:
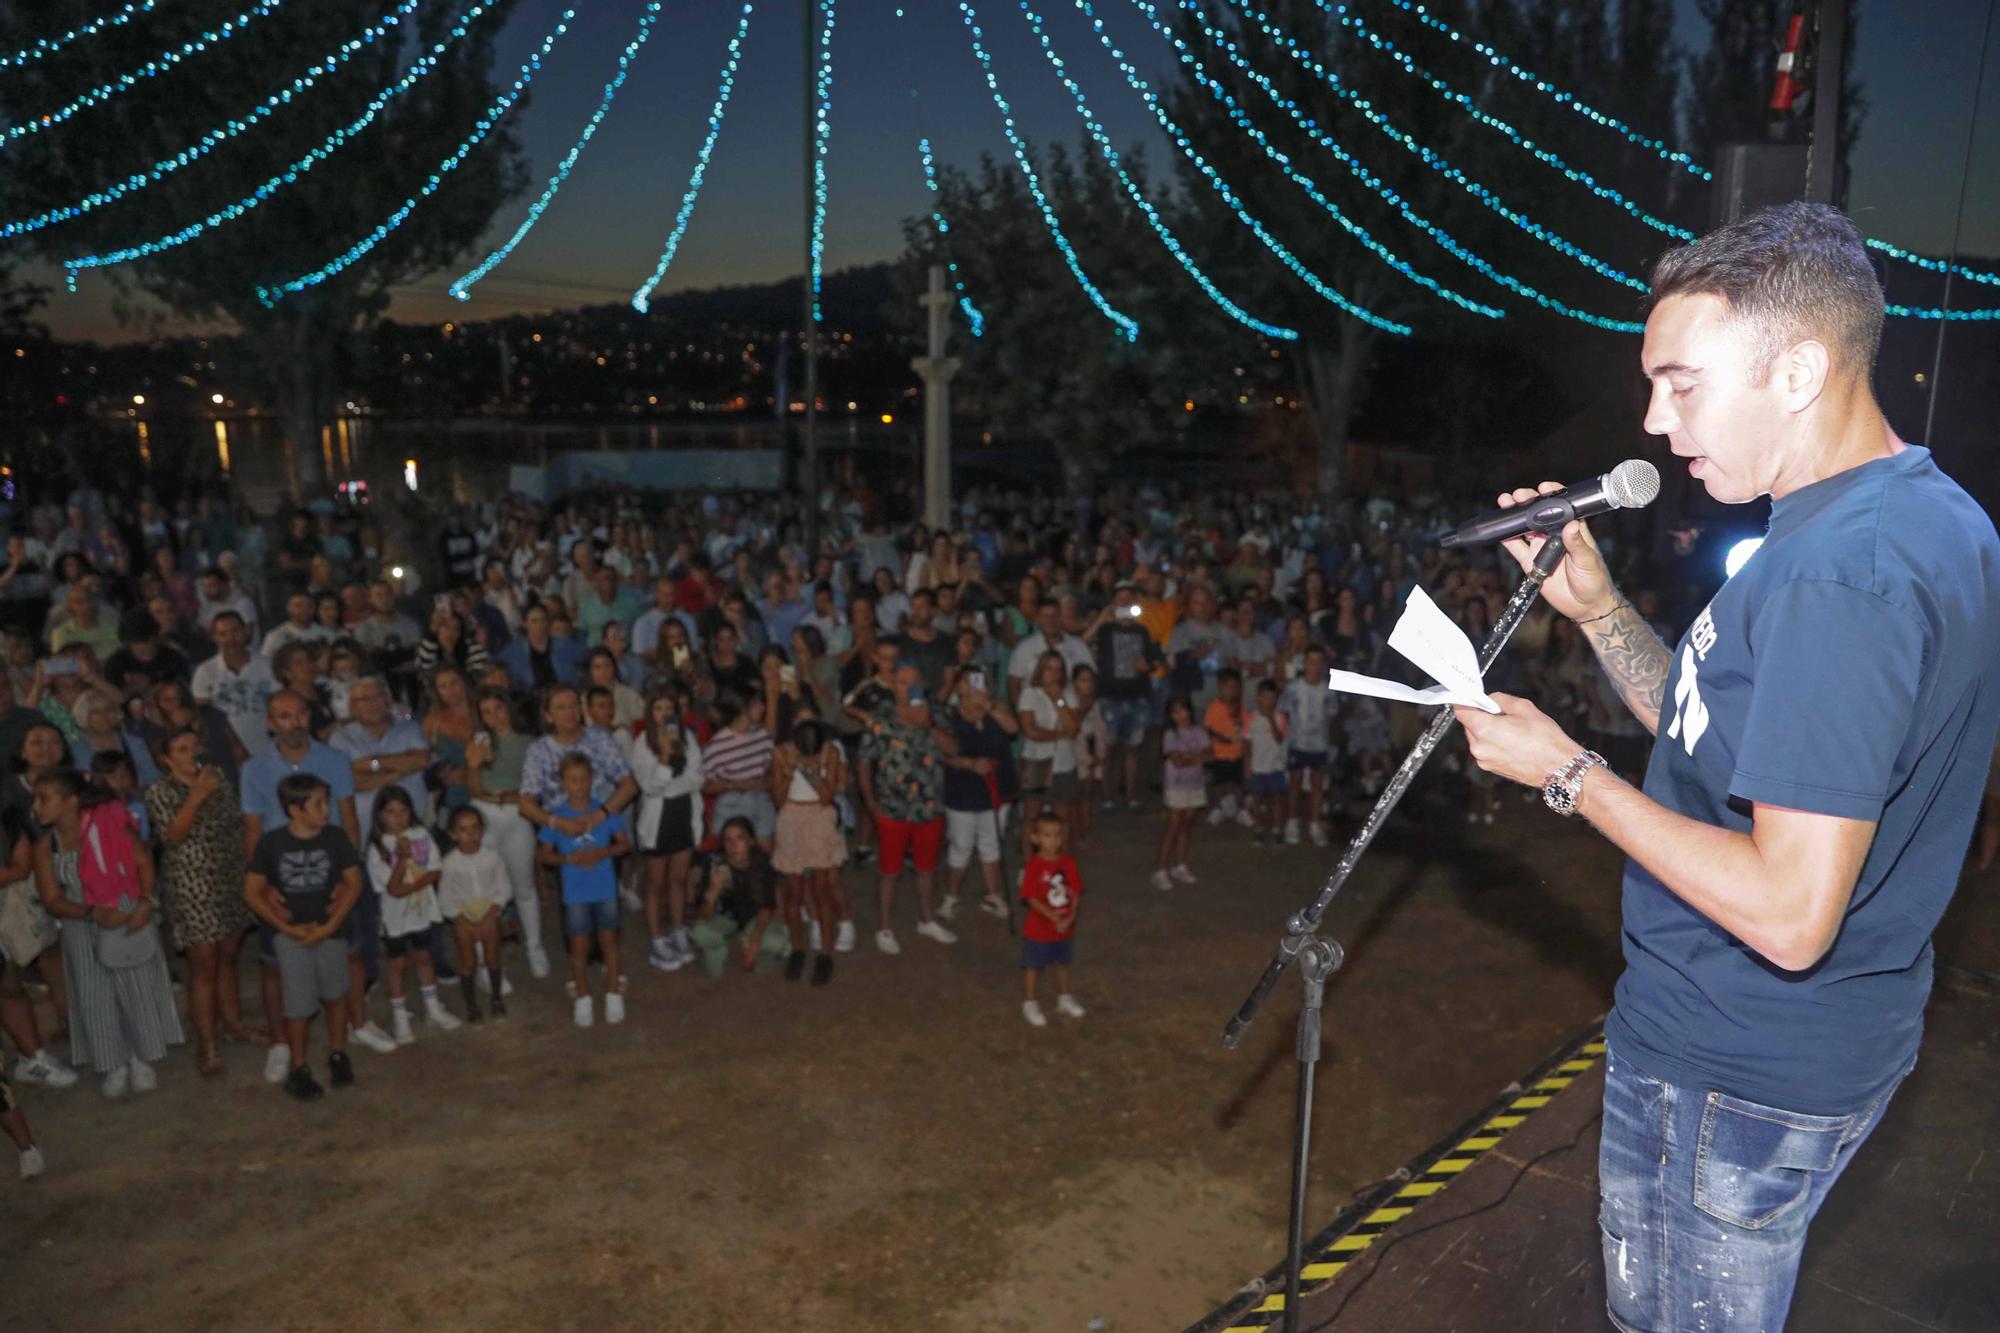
<point>1435,645</point>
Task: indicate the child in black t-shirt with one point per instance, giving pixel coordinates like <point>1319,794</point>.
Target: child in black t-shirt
<point>303,880</point>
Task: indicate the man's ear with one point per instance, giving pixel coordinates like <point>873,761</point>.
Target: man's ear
<point>1802,372</point>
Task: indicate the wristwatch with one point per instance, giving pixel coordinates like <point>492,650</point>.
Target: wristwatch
<point>1564,785</point>
<point>375,765</point>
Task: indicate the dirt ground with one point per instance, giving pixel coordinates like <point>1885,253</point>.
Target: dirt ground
<point>896,1151</point>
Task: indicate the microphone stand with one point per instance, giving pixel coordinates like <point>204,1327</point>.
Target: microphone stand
<point>1318,959</point>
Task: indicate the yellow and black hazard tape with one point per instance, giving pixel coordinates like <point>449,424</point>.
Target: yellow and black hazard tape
<point>1261,1303</point>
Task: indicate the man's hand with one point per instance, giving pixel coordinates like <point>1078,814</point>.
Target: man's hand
<point>1521,743</point>
<point>1580,587</point>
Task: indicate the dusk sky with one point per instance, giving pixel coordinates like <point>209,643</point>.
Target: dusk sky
<point>897,79</point>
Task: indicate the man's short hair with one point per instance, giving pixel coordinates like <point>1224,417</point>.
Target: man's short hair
<point>295,789</point>
<point>1794,271</point>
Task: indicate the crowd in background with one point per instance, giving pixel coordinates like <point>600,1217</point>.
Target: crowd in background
<point>366,754</point>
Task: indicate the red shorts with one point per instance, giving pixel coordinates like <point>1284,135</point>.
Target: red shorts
<point>922,840</point>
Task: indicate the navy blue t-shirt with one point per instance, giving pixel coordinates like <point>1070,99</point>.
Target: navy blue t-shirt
<point>1851,668</point>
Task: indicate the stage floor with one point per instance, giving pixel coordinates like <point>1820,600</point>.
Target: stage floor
<point>1910,1239</point>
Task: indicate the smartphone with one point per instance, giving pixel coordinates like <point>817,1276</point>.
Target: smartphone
<point>916,694</point>
<point>59,666</point>
<point>441,602</point>
<point>681,655</point>
<point>1130,612</point>
<point>976,680</point>
<point>788,674</point>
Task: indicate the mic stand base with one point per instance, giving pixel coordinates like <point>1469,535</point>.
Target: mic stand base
<point>1317,959</point>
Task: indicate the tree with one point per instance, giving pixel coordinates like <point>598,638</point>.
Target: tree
<point>299,343</point>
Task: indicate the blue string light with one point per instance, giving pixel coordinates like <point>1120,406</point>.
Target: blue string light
<point>643,297</point>
<point>1126,324</point>
<point>1930,265</point>
<point>505,102</point>
<point>1562,98</point>
<point>216,137</point>
<point>158,65</point>
<point>822,132</point>
<point>1444,239</point>
<point>973,315</point>
<point>1576,175</point>
<point>462,288</point>
<point>48,46</point>
<point>1284,161</point>
<point>1434,161</point>
<point>1936,312</point>
<point>1138,196</point>
<point>290,174</point>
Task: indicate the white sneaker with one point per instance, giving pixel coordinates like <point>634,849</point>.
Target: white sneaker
<point>1292,832</point>
<point>32,1163</point>
<point>117,1081</point>
<point>277,1063</point>
<point>1486,818</point>
<point>1318,834</point>
<point>399,1027</point>
<point>371,1035</point>
<point>843,937</point>
<point>1472,816</point>
<point>1182,875</point>
<point>538,962</point>
<point>1246,819</point>
<point>1067,1006</point>
<point>947,907</point>
<point>682,944</point>
<point>885,940</point>
<point>143,1077</point>
<point>1033,1013</point>
<point>582,1012</point>
<point>1215,817</point>
<point>993,907</point>
<point>44,1068</point>
<point>484,980</point>
<point>1162,880</point>
<point>1132,806</point>
<point>662,954</point>
<point>1228,807</point>
<point>441,1018</point>
<point>631,901</point>
<point>935,930</point>
<point>614,1007</point>
<point>814,934</point>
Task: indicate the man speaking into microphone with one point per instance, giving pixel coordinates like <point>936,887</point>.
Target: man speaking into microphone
<point>1822,734</point>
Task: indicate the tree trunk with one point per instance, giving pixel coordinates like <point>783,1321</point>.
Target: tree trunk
<point>295,354</point>
<point>1334,368</point>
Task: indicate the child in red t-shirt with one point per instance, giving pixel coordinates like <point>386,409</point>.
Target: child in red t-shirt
<point>1050,886</point>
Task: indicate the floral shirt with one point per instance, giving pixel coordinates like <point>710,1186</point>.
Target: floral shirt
<point>541,771</point>
<point>908,770</point>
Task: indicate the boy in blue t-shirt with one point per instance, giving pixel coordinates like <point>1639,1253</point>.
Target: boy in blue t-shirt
<point>585,839</point>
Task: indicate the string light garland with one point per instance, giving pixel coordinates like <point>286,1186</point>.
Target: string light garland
<point>1126,324</point>
<point>290,174</point>
<point>461,289</point>
<point>1935,312</point>
<point>1283,160</point>
<point>216,137</point>
<point>1561,97</point>
<point>153,68</point>
<point>1930,265</point>
<point>822,132</point>
<point>642,298</point>
<point>1435,161</point>
<point>1388,195</point>
<point>973,315</point>
<point>48,46</point>
<point>1576,175</point>
<point>270,295</point>
<point>1138,196</point>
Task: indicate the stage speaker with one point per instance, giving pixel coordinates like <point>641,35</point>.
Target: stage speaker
<point>1750,176</point>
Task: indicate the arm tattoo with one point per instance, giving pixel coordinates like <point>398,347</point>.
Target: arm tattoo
<point>1635,660</point>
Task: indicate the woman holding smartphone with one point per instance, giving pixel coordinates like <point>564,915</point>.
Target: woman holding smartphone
<point>201,872</point>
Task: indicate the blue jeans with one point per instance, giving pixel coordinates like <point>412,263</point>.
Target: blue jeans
<point>1705,1200</point>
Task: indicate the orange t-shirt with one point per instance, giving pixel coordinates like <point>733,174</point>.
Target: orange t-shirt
<point>1225,725</point>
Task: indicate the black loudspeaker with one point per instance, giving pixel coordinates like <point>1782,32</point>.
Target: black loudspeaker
<point>1750,176</point>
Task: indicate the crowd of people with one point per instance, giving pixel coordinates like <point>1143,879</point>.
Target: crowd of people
<point>358,762</point>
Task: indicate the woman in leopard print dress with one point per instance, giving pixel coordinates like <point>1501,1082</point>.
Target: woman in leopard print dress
<point>201,868</point>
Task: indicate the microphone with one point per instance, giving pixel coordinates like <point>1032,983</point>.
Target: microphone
<point>1633,484</point>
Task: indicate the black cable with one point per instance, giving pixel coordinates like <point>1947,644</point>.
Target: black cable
<point>1958,217</point>
<point>1376,1253</point>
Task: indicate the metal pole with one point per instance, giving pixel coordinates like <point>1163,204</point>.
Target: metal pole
<point>808,323</point>
<point>1823,157</point>
<point>936,370</point>
<point>1957,221</point>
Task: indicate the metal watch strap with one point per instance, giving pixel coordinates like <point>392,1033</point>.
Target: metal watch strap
<point>1562,788</point>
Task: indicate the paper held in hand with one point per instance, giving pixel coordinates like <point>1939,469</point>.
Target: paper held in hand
<point>1439,648</point>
